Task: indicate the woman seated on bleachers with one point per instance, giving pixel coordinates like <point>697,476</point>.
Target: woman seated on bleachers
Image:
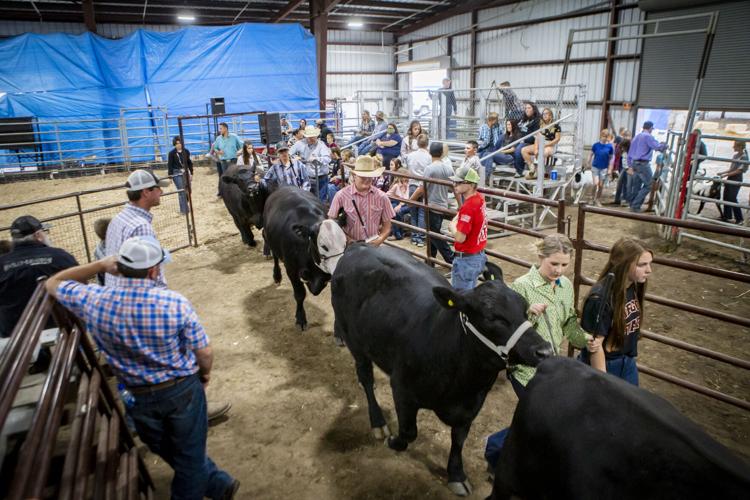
<point>551,138</point>
<point>528,124</point>
<point>505,155</point>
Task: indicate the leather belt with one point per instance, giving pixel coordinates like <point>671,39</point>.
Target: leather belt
<point>465,254</point>
<point>145,389</point>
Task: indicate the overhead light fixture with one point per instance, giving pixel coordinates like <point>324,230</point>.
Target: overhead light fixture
<point>355,24</point>
<point>186,18</point>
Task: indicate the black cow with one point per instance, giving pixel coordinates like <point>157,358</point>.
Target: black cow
<point>581,434</point>
<point>300,235</point>
<point>244,198</point>
<point>402,315</point>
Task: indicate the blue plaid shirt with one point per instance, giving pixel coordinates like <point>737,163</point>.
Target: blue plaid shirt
<point>147,333</point>
<point>484,137</point>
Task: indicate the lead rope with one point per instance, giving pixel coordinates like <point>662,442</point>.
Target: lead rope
<point>549,329</point>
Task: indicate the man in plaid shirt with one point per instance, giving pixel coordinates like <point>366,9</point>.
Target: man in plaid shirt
<point>156,346</point>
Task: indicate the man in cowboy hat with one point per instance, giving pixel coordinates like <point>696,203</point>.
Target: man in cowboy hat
<point>368,209</point>
<point>316,155</point>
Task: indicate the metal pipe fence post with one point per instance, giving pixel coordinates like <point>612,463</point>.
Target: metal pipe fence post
<point>578,245</point>
<point>59,146</point>
<point>689,186</point>
<point>83,228</point>
<point>561,216</point>
<point>540,169</point>
<point>428,241</point>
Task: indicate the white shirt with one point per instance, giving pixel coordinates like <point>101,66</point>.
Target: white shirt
<point>318,151</point>
<point>416,163</point>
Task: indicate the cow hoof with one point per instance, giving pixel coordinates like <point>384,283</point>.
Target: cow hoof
<point>397,444</point>
<point>252,244</point>
<point>301,328</point>
<point>381,433</point>
<point>460,488</point>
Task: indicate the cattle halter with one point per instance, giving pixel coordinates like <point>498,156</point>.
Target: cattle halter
<point>502,350</point>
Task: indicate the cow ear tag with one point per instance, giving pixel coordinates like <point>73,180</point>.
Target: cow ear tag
<point>450,303</point>
<point>492,277</point>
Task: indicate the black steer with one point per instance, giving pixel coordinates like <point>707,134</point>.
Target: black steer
<point>581,434</point>
<point>300,235</point>
<point>244,199</point>
<point>402,315</point>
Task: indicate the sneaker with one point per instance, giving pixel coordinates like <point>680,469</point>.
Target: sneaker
<point>517,175</point>
<point>597,203</point>
<point>231,491</point>
<point>420,244</point>
<point>216,410</point>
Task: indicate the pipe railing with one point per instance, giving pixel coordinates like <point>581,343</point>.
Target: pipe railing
<point>527,136</point>
<point>95,402</point>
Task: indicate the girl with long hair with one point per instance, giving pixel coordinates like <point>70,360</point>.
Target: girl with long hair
<point>409,142</point>
<point>248,157</point>
<point>551,138</point>
<point>613,310</point>
<point>529,123</point>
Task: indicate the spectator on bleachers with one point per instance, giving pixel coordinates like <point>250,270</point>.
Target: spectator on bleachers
<point>302,124</point>
<point>503,156</point>
<point>528,124</point>
<point>389,145</point>
<point>366,126</point>
<point>399,188</point>
<point>735,173</point>
<point>512,104</point>
<point>297,135</point>
<point>324,128</point>
<point>489,137</point>
<point>409,142</point>
<point>551,139</point>
<point>380,126</point>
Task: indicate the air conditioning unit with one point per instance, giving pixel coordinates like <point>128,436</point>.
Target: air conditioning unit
<point>442,62</point>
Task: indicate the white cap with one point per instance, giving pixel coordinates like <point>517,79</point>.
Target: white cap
<point>142,252</point>
<point>144,179</point>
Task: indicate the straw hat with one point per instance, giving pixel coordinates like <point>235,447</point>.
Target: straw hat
<point>311,131</point>
<point>365,167</point>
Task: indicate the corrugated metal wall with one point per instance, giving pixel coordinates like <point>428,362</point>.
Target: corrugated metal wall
<point>359,60</point>
<point>500,52</point>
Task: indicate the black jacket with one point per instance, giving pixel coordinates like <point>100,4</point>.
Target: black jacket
<point>19,271</point>
<point>173,162</point>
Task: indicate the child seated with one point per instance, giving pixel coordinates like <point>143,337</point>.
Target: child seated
<point>100,228</point>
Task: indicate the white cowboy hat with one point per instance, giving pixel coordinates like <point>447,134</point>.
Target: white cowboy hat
<point>311,131</point>
<point>365,167</point>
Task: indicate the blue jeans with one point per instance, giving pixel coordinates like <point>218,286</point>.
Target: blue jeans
<point>400,213</point>
<point>417,218</point>
<point>438,245</point>
<point>625,368</point>
<point>496,441</point>
<point>496,159</point>
<point>179,183</point>
<point>322,190</point>
<point>466,270</point>
<point>730,195</point>
<point>622,187</point>
<point>173,423</point>
<point>642,184</point>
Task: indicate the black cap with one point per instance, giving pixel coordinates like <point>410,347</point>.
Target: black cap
<point>26,225</point>
<point>436,149</point>
<point>648,125</point>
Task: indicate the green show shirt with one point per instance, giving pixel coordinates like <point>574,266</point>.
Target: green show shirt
<point>561,314</point>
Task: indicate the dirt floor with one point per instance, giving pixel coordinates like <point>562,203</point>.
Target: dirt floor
<point>298,427</point>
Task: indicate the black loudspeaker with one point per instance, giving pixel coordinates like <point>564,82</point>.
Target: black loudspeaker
<point>270,128</point>
<point>17,133</point>
<point>217,106</point>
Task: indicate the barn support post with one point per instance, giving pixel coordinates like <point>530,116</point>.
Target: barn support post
<point>473,61</point>
<point>427,239</point>
<point>88,15</point>
<point>319,26</point>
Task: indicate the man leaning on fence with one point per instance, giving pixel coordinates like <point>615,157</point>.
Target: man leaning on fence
<point>156,346</point>
<point>31,258</point>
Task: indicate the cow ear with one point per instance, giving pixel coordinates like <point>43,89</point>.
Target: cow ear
<point>448,297</point>
<point>227,179</point>
<point>492,272</point>
<point>301,231</point>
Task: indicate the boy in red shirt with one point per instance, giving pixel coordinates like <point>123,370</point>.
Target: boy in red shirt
<point>469,229</point>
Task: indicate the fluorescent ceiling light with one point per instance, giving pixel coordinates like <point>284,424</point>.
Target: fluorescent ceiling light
<point>355,24</point>
<point>186,18</point>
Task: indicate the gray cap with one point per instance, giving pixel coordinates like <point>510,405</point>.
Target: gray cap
<point>281,146</point>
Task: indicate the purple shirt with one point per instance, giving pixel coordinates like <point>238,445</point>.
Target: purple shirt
<point>643,146</point>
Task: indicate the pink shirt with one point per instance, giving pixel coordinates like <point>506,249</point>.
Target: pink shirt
<point>374,208</point>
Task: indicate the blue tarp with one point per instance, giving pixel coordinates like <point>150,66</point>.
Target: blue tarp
<point>87,77</point>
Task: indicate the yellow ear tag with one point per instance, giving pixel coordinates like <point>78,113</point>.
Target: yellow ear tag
<point>450,303</point>
<point>492,277</point>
